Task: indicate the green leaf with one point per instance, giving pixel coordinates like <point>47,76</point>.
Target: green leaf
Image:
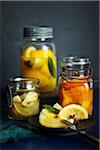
<point>51,67</point>
<point>51,109</point>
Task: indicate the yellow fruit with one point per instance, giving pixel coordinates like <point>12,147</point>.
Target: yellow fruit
<point>17,99</point>
<point>51,85</point>
<point>30,99</point>
<point>27,111</point>
<point>45,70</point>
<point>66,97</point>
<point>36,66</point>
<point>57,106</point>
<point>38,75</point>
<point>14,113</point>
<point>27,51</point>
<point>43,53</point>
<point>73,109</point>
<point>48,120</point>
<point>48,114</point>
<point>38,62</point>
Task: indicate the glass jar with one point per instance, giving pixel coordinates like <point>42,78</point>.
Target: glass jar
<point>76,83</point>
<point>38,58</point>
<point>23,98</point>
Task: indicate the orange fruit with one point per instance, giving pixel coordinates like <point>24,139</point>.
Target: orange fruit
<point>80,93</point>
<point>66,98</point>
<point>68,84</point>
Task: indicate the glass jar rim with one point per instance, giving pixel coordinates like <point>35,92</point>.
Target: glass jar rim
<point>27,79</point>
<point>74,60</point>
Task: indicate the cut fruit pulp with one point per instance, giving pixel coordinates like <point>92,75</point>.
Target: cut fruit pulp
<point>78,111</point>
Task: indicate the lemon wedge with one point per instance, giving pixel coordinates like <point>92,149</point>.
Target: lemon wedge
<point>38,62</point>
<point>27,52</point>
<point>57,106</point>
<point>26,111</point>
<point>30,99</point>
<point>48,119</point>
<point>17,99</point>
<point>78,111</point>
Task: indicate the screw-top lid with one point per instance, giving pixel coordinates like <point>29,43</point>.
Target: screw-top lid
<point>38,32</point>
<point>74,61</point>
<point>76,66</point>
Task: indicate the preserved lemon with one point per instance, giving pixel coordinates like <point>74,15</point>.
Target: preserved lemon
<point>40,64</point>
<point>75,110</point>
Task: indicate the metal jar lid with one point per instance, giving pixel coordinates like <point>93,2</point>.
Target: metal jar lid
<point>75,61</point>
<point>38,32</point>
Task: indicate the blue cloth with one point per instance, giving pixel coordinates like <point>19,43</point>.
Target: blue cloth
<point>12,130</point>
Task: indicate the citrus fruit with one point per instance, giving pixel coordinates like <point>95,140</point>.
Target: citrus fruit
<point>14,113</point>
<point>17,99</point>
<point>78,111</point>
<point>45,70</point>
<point>30,99</point>
<point>41,53</point>
<point>26,111</point>
<point>47,119</point>
<point>27,52</point>
<point>73,83</point>
<point>80,93</point>
<point>57,106</point>
<point>38,62</point>
<point>88,103</point>
<point>50,84</point>
<point>66,98</point>
<point>38,75</point>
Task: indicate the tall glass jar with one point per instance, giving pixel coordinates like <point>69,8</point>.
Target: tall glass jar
<point>23,98</point>
<point>76,83</point>
<point>38,58</point>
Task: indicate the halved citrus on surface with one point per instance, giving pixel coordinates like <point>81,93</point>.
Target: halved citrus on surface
<point>78,111</point>
<point>48,119</point>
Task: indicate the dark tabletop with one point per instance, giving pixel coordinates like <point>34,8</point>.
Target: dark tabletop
<point>71,142</point>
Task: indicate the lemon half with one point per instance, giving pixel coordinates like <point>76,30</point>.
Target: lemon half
<point>48,119</point>
<point>73,109</point>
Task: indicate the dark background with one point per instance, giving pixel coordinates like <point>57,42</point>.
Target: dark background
<point>76,31</point>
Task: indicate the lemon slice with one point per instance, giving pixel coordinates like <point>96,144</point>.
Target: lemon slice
<point>17,99</point>
<point>78,111</point>
<point>48,119</point>
<point>27,111</point>
<point>30,99</point>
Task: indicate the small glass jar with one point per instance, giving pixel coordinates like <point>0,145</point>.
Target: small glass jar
<point>76,83</point>
<point>38,58</point>
<point>23,98</point>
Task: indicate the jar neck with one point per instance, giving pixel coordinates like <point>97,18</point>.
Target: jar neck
<point>76,68</point>
<point>76,73</point>
<point>42,39</point>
